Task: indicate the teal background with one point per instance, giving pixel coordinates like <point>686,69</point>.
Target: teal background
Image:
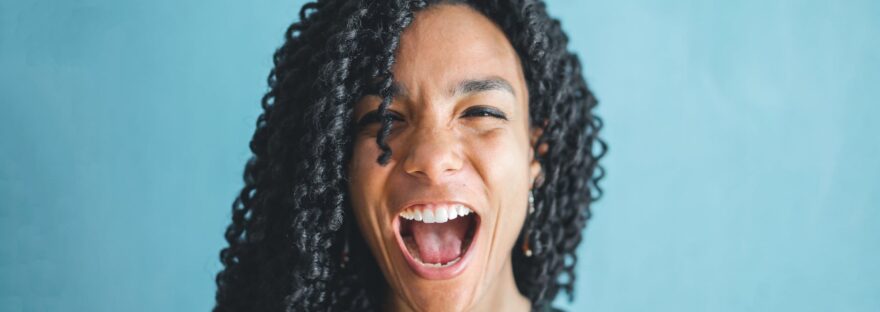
<point>744,170</point>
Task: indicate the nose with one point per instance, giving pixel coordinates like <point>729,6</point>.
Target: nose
<point>434,153</point>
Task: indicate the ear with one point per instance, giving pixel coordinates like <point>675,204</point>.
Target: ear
<point>535,170</point>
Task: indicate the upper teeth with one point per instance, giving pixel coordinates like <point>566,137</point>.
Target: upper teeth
<point>435,213</point>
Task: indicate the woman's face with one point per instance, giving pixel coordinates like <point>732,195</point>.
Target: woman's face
<point>441,218</point>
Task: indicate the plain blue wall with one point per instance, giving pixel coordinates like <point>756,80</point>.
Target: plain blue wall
<point>744,172</point>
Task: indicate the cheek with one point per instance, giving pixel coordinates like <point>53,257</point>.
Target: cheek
<point>502,161</point>
<point>501,158</point>
<point>366,181</point>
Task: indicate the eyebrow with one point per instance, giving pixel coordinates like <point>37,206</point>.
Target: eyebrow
<point>463,88</point>
<point>397,89</point>
<point>482,85</point>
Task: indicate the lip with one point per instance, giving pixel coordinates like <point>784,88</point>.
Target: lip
<point>434,273</point>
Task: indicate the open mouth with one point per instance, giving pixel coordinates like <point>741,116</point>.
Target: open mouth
<point>436,238</point>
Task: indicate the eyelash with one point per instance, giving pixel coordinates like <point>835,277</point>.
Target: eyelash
<point>484,111</point>
<point>476,111</point>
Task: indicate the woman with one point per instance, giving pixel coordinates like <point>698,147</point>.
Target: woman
<point>413,155</point>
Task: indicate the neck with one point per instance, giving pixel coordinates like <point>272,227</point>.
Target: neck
<point>501,295</point>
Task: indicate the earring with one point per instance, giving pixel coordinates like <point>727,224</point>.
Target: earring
<point>525,246</point>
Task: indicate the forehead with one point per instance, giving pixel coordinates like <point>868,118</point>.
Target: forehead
<point>449,43</point>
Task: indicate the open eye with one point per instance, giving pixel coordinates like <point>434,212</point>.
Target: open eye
<point>484,111</point>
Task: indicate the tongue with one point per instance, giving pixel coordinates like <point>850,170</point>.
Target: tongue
<point>440,242</point>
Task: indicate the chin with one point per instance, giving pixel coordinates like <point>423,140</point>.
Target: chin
<point>441,299</point>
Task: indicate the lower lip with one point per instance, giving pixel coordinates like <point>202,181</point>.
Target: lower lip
<point>435,273</point>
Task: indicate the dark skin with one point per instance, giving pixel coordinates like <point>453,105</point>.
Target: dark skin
<point>461,133</point>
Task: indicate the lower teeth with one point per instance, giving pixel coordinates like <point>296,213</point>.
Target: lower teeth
<point>438,265</point>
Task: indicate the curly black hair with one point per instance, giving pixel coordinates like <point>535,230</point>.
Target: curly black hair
<point>292,223</point>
